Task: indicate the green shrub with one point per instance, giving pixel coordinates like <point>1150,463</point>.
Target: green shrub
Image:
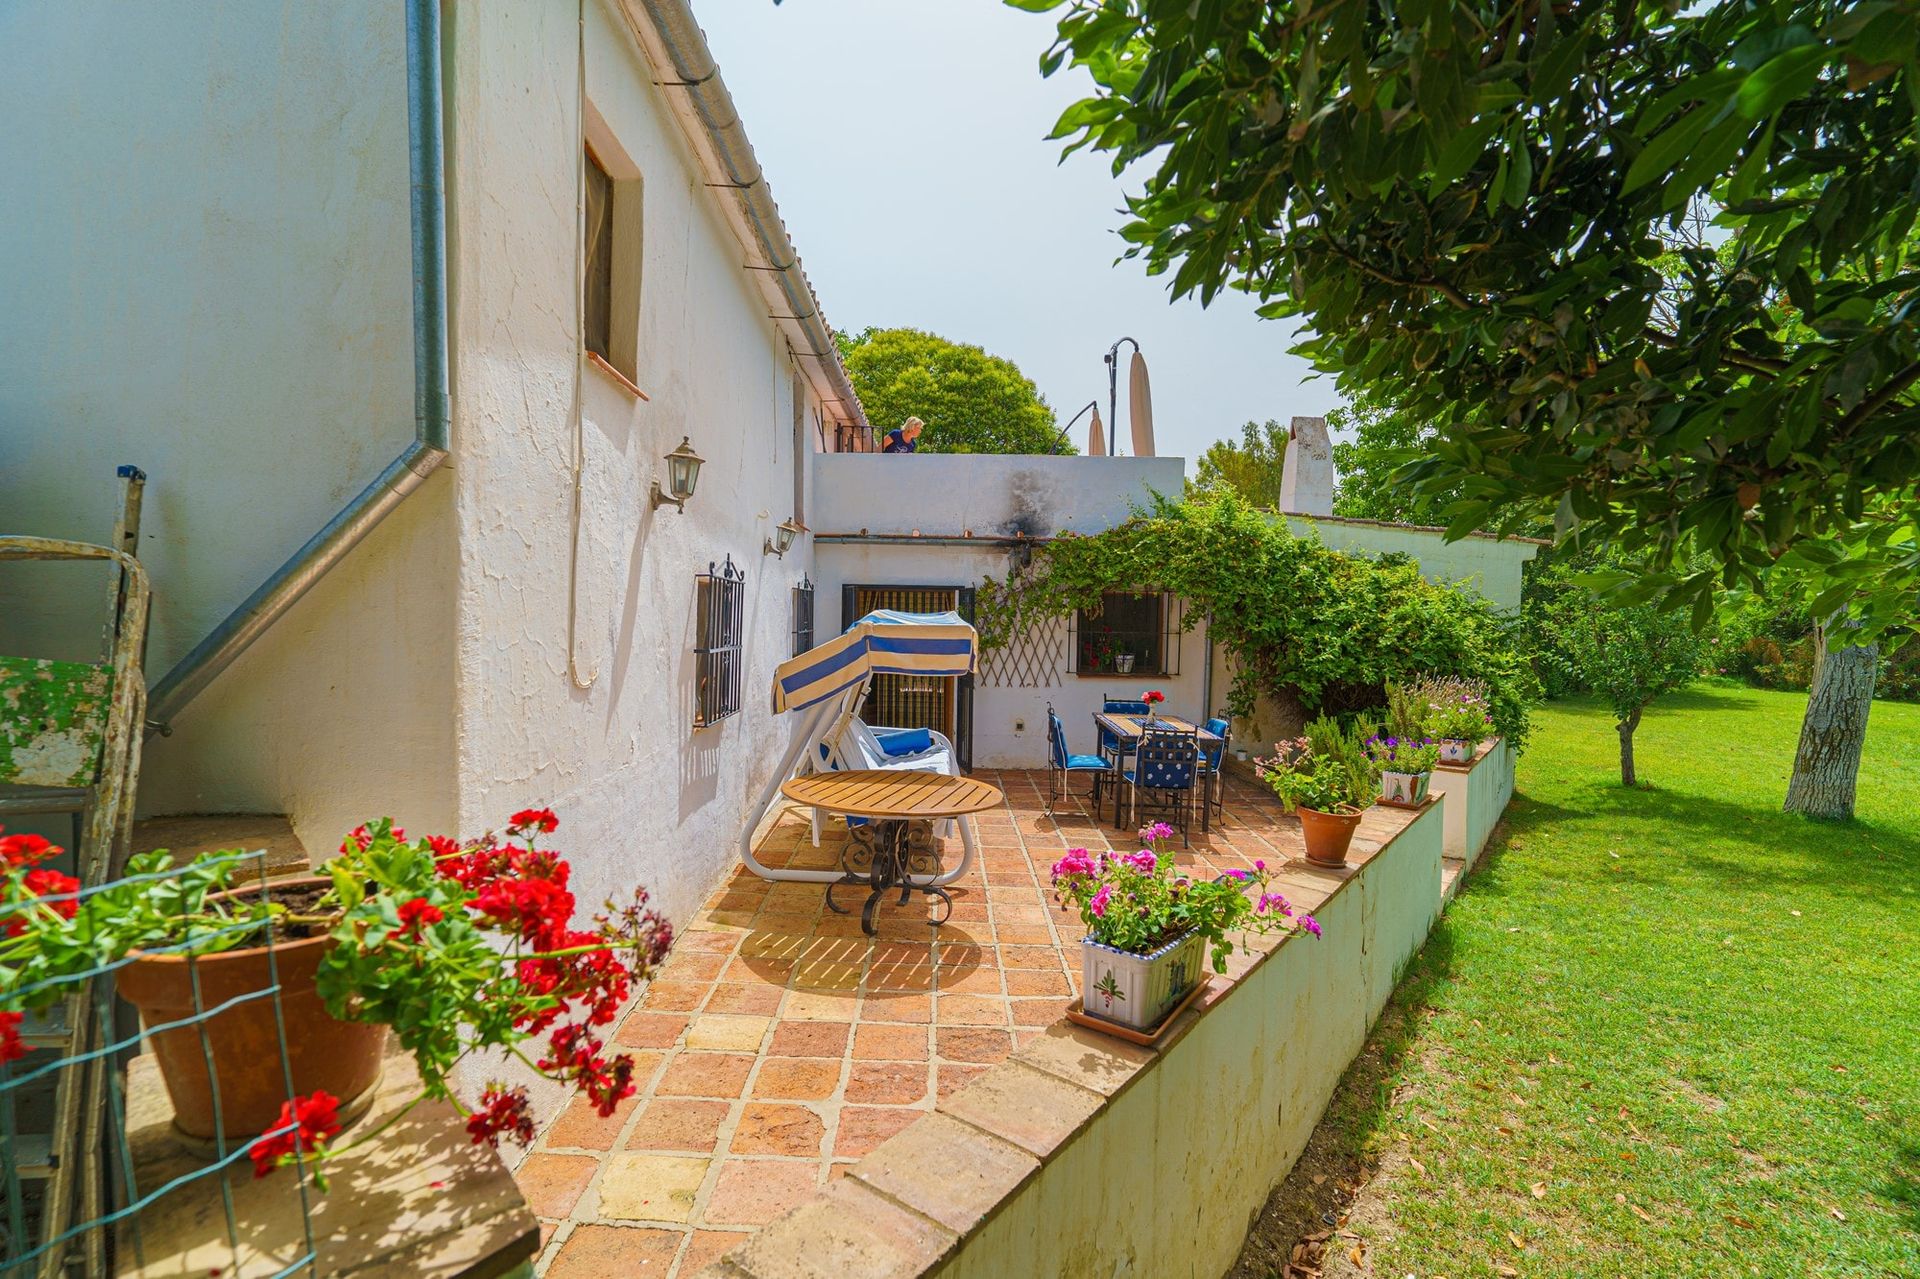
<point>1331,630</point>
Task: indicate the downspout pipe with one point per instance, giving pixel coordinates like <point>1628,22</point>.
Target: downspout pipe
<point>686,47</point>
<point>432,396</point>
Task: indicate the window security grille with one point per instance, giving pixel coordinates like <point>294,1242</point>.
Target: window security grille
<point>720,617</point>
<point>1139,631</point>
<point>803,616</point>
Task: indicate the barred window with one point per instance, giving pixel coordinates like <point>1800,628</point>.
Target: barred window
<point>719,619</point>
<point>1128,633</point>
<point>803,616</point>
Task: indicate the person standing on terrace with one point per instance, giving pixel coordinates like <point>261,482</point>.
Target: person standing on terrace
<point>904,438</point>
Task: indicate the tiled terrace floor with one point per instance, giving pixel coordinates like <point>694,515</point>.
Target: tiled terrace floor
<point>778,1045</point>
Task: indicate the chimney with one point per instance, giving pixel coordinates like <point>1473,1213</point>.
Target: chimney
<point>1306,480</point>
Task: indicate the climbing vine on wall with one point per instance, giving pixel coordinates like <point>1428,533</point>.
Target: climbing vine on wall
<point>1299,621</point>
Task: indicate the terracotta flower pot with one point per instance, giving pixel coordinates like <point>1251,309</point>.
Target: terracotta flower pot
<point>1328,835</point>
<point>343,1058</point>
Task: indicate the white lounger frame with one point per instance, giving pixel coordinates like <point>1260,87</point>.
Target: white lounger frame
<point>825,722</point>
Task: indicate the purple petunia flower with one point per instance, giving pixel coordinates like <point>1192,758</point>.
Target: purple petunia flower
<point>1310,924</point>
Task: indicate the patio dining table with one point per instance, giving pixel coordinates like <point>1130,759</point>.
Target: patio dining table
<point>1127,730</point>
<point>891,798</point>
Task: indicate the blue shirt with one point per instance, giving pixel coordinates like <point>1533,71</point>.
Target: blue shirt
<point>897,442</point>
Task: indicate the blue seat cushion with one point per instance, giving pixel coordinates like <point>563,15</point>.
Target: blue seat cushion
<point>1162,778</point>
<point>1087,761</point>
<point>908,741</point>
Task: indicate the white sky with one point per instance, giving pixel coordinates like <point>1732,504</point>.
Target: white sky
<point>905,141</point>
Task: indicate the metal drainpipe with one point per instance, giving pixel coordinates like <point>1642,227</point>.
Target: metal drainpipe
<point>432,398</point>
<point>680,34</point>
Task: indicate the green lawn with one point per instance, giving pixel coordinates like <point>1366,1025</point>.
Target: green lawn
<point>1664,1031</point>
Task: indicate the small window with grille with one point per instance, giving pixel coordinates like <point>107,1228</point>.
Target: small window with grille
<point>719,618</point>
<point>803,616</point>
<point>1128,633</point>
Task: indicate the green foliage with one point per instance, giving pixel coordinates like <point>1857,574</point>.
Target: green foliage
<point>1328,768</point>
<point>1384,439</point>
<point>1296,618</point>
<point>1627,655</point>
<point>972,402</point>
<point>1251,468</point>
<point>1632,964</point>
<point>1487,214</point>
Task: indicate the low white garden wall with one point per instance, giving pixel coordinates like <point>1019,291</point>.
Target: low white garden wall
<point>1475,794</point>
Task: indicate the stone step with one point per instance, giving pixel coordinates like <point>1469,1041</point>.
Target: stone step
<point>190,834</point>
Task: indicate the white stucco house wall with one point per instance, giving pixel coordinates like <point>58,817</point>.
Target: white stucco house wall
<point>209,262</point>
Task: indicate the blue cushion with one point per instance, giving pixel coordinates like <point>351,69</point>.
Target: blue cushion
<point>1086,761</point>
<point>907,741</point>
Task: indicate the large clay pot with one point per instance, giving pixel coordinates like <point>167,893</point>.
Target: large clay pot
<point>343,1058</point>
<point>1328,835</point>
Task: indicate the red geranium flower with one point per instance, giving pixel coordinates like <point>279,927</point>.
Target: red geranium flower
<point>25,850</point>
<point>41,882</point>
<point>308,1123</point>
<point>540,819</point>
<point>11,1047</point>
<point>1153,697</point>
<point>502,1113</point>
<point>418,914</point>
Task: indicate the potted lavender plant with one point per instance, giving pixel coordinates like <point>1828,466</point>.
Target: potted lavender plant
<point>1147,925</point>
<point>1406,768</point>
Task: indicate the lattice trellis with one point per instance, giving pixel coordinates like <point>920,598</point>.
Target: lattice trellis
<point>1031,659</point>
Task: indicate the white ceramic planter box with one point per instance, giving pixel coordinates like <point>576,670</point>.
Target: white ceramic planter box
<point>1137,990</point>
<point>1455,750</point>
<point>1404,788</point>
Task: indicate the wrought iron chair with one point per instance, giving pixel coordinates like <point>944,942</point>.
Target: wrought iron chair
<point>1062,764</point>
<point>1164,777</point>
<point>1213,776</point>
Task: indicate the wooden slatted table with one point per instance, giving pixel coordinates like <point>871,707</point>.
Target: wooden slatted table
<point>1130,728</point>
<point>891,799</point>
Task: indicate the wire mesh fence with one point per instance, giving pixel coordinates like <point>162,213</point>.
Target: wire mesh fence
<point>76,1195</point>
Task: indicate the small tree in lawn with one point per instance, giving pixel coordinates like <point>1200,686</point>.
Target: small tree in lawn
<point>1629,656</point>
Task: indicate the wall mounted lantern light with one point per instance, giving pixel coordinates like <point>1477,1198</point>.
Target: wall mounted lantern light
<point>683,473</point>
<point>783,535</point>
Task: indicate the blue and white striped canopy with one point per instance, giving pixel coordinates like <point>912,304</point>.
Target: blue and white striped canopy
<point>881,643</point>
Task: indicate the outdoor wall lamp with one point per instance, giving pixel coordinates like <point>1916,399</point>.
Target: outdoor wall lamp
<point>782,540</point>
<point>683,473</point>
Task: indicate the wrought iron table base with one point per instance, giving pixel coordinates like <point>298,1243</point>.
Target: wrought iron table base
<point>888,868</point>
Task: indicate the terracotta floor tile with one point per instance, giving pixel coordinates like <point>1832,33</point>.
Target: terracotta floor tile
<point>707,1247</point>
<point>705,1075</point>
<point>767,1128</point>
<point>709,941</point>
<point>1029,981</point>
<point>889,1043</point>
<point>671,1124</point>
<point>972,1044</point>
<point>693,965</point>
<point>970,1010</point>
<point>810,1039</point>
<point>758,999</point>
<point>1041,957</point>
<point>552,1183</point>
<point>1038,1012</point>
<point>752,1192</point>
<point>1022,934</point>
<point>644,1029</point>
<point>580,1125</point>
<point>595,1252</point>
<point>971,981</point>
<point>896,1006</point>
<point>815,1005</point>
<point>887,1083</point>
<point>797,1078</point>
<point>637,1187</point>
<point>720,1033</point>
<point>864,1127</point>
<point>675,996</point>
<point>950,1078</point>
<point>901,977</point>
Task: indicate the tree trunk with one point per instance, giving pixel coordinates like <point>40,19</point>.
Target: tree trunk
<point>1827,764</point>
<point>1625,728</point>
